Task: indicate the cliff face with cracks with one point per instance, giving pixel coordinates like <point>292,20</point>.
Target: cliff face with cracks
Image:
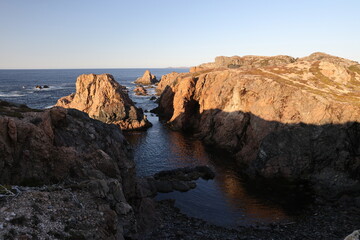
<point>75,177</point>
<point>103,99</point>
<point>289,118</point>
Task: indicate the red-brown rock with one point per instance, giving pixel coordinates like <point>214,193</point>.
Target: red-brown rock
<point>286,118</point>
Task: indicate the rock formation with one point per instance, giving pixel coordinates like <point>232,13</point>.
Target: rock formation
<point>146,79</point>
<point>281,117</point>
<point>140,90</point>
<point>104,99</point>
<point>96,193</point>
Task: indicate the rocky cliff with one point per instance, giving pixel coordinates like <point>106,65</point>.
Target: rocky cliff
<point>103,99</point>
<point>280,116</point>
<point>77,177</point>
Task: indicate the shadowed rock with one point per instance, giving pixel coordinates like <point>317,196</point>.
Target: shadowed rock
<point>90,162</point>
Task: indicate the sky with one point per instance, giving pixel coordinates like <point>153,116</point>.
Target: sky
<point>44,34</point>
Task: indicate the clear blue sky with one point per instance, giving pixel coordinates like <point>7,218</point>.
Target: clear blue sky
<point>162,33</point>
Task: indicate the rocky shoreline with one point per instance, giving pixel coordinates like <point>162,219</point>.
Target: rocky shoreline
<point>281,117</point>
<point>65,175</point>
<point>331,221</point>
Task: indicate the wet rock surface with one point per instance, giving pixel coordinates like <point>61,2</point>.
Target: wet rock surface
<point>180,179</point>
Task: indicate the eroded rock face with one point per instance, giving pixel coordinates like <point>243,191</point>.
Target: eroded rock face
<point>91,163</point>
<point>146,79</point>
<point>104,99</point>
<point>293,119</point>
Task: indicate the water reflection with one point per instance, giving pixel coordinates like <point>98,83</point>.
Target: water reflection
<point>224,201</point>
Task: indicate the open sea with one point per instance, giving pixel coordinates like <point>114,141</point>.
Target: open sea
<point>225,201</point>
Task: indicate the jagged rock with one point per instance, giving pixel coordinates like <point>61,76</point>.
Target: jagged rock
<point>91,163</point>
<point>279,116</point>
<point>103,99</point>
<point>140,90</point>
<point>146,79</point>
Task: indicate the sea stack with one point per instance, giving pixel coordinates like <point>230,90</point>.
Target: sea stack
<point>147,79</point>
<point>104,99</point>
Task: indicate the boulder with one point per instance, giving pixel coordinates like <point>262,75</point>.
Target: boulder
<point>140,90</point>
<point>146,79</point>
<point>104,99</point>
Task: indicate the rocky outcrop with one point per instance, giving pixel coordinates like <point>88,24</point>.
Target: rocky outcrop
<point>244,62</point>
<point>77,176</point>
<point>146,79</point>
<point>104,99</point>
<point>140,90</point>
<point>293,119</point>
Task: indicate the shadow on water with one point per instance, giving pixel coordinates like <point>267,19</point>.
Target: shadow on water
<point>228,200</point>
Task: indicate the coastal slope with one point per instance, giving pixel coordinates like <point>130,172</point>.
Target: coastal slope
<point>72,175</point>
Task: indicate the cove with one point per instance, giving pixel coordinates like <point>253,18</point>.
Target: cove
<point>227,200</point>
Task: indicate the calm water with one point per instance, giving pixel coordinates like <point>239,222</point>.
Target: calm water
<point>226,200</point>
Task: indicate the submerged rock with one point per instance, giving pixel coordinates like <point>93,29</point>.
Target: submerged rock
<point>146,79</point>
<point>180,179</point>
<point>104,99</point>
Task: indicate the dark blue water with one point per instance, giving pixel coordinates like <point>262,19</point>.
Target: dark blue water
<point>224,201</point>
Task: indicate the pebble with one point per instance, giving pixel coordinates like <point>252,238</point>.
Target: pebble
<point>1,226</point>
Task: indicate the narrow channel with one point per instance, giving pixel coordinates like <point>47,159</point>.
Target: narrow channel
<point>224,201</point>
